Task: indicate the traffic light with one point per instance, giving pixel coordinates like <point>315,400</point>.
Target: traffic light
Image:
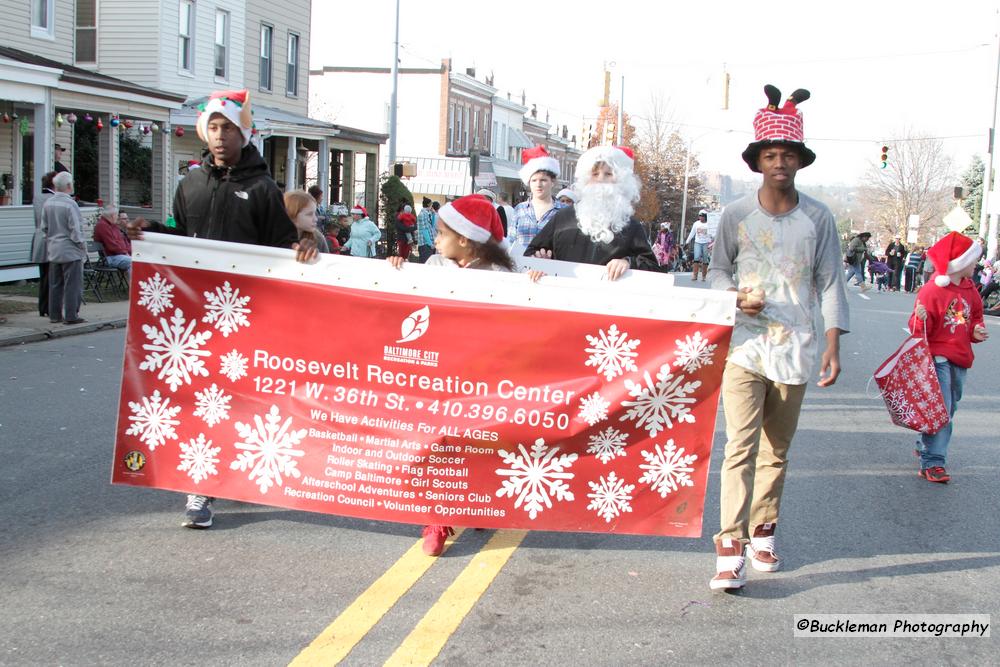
<point>885,157</point>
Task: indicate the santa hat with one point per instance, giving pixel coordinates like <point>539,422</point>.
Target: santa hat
<point>537,159</point>
<point>952,253</point>
<point>569,194</point>
<point>474,217</point>
<point>193,164</point>
<point>621,159</point>
<point>359,210</point>
<point>234,105</point>
<point>772,125</point>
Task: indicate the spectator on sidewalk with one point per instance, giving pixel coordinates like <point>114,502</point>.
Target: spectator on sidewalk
<point>913,269</point>
<point>856,256</point>
<point>365,236</point>
<point>426,230</point>
<point>895,257</point>
<point>39,251</point>
<point>232,172</point>
<point>67,251</point>
<point>778,250</point>
<point>406,231</point>
<point>110,233</point>
<point>566,196</point>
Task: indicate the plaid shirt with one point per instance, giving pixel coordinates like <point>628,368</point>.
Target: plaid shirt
<point>526,225</point>
<point>426,229</point>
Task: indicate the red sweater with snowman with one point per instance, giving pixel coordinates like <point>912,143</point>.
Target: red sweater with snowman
<point>953,311</point>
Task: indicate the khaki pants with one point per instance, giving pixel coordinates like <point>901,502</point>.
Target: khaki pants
<point>761,418</point>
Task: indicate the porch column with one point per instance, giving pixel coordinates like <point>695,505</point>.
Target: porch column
<point>323,169</point>
<point>43,141</point>
<point>348,178</point>
<point>371,182</point>
<point>290,158</point>
<point>107,164</point>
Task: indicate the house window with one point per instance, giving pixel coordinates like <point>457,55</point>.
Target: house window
<point>266,39</point>
<point>222,44</point>
<point>86,31</point>
<point>465,135</point>
<point>42,18</point>
<point>451,127</point>
<point>475,131</point>
<point>458,129</point>
<point>292,80</point>
<point>185,36</point>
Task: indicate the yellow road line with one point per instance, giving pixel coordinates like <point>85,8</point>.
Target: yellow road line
<point>337,640</point>
<point>429,636</point>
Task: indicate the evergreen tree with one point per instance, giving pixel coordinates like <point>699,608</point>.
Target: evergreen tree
<point>972,182</point>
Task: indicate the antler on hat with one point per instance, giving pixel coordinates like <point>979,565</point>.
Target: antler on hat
<point>234,105</point>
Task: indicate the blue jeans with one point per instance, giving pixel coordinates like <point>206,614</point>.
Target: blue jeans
<point>856,272</point>
<point>700,253</point>
<point>934,448</point>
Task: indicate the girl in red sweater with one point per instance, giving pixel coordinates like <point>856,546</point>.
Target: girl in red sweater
<point>949,310</point>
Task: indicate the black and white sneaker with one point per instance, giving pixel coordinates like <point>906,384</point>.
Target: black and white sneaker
<point>199,512</point>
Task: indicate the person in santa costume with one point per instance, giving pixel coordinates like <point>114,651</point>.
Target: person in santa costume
<point>600,228</point>
<point>231,197</point>
<point>539,172</point>
<point>779,251</point>
<point>949,312</point>
<point>469,236</point>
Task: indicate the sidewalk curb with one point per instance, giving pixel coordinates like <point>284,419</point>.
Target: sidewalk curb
<point>52,334</point>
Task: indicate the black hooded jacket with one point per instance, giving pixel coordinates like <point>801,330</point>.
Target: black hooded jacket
<point>241,204</point>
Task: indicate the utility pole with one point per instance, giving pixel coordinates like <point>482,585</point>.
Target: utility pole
<point>987,222</point>
<point>621,114</point>
<point>395,90</point>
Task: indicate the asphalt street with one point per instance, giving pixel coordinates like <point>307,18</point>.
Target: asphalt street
<point>92,573</point>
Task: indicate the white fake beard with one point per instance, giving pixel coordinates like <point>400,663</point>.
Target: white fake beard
<point>603,210</point>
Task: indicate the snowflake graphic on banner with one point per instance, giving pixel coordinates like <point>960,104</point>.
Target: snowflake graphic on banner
<point>227,309</point>
<point>153,420</point>
<point>660,405</point>
<point>594,408</point>
<point>612,352</point>
<point>667,469</point>
<point>536,477</point>
<point>233,365</point>
<point>268,449</point>
<point>174,349</point>
<point>212,405</point>
<point>899,406</point>
<point>693,353</point>
<point>198,458</point>
<point>610,497</point>
<point>607,444</point>
<point>156,294</point>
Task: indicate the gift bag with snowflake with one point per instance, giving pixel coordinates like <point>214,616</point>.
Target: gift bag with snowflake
<point>909,385</point>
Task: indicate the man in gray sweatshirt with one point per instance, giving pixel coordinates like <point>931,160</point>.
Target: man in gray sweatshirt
<point>67,251</point>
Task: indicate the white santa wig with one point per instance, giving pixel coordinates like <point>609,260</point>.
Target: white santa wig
<point>605,208</point>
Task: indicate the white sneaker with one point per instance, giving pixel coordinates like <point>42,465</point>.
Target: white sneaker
<point>763,557</point>
<point>730,566</point>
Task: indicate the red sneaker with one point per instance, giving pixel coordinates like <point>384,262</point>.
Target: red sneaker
<point>762,554</point>
<point>936,474</point>
<point>434,539</point>
<point>730,566</point>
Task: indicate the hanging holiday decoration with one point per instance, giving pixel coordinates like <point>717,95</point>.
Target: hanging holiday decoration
<point>15,116</point>
<point>6,117</point>
<point>154,127</point>
<point>128,124</point>
<point>71,118</point>
<point>100,125</point>
<point>87,117</point>
<point>179,131</point>
<point>144,129</point>
<point>24,127</point>
<point>60,120</point>
<point>115,121</point>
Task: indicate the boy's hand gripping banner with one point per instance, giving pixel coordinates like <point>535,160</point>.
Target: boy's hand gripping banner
<point>423,395</point>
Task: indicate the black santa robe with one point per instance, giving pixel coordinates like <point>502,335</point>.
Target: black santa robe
<point>563,237</point>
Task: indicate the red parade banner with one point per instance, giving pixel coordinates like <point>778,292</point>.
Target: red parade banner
<point>420,395</point>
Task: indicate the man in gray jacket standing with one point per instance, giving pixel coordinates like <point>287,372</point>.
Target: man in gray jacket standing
<point>67,251</point>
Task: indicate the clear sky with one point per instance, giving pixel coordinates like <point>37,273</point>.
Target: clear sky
<point>874,68</point>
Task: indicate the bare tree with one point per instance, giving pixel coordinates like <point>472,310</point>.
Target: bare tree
<point>917,180</point>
